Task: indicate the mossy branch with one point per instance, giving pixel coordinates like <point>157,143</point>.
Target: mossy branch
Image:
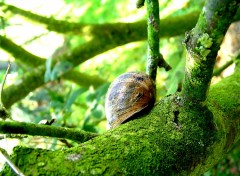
<point>202,44</point>
<point>84,79</point>
<point>7,127</point>
<point>20,53</point>
<point>30,60</point>
<point>51,23</point>
<point>151,145</point>
<point>154,58</point>
<point>168,25</point>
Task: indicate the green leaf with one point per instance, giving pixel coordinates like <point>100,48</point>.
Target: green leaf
<point>97,112</point>
<point>73,96</point>
<point>60,68</point>
<point>47,75</point>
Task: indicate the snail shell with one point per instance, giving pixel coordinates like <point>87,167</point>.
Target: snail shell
<point>128,94</point>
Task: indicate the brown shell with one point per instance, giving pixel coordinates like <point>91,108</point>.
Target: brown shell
<point>128,94</point>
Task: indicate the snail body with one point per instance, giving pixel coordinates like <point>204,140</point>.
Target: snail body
<point>128,94</point>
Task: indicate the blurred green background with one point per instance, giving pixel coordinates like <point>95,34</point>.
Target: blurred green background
<point>80,104</point>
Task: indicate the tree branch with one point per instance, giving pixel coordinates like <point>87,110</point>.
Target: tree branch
<point>202,44</point>
<point>83,79</point>
<point>154,60</point>
<point>151,145</point>
<point>45,130</point>
<point>30,60</point>
<point>168,25</point>
<point>218,71</point>
<point>29,82</point>
<point>20,53</point>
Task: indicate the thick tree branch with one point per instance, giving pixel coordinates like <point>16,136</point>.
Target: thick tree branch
<point>151,145</point>
<point>203,43</point>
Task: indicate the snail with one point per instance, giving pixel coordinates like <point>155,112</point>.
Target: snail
<point>129,94</point>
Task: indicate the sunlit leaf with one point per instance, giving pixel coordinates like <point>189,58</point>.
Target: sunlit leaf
<point>60,68</point>
<point>73,96</point>
<point>47,75</point>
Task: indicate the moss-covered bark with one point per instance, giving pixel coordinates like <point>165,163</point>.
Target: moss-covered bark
<point>45,130</point>
<point>18,52</point>
<point>172,139</point>
<point>202,44</point>
<point>185,22</point>
<point>153,38</point>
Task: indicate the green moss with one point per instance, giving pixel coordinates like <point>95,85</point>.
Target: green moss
<point>149,145</point>
<point>203,45</point>
<point>176,138</point>
<point>222,105</point>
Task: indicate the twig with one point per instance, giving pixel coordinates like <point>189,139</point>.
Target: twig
<point>10,163</point>
<point>4,114</point>
<point>15,136</point>
<point>34,38</point>
<point>154,57</point>
<point>3,83</point>
<point>45,130</point>
<point>218,71</point>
